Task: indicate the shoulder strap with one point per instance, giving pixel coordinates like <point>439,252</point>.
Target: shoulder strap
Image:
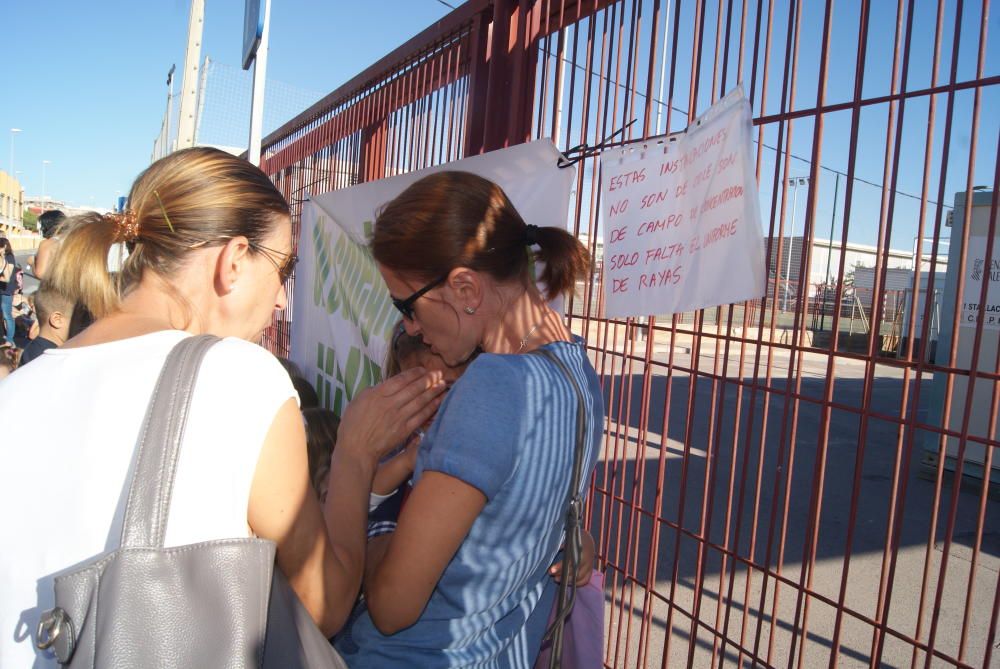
<point>573,528</point>
<point>581,424</point>
<point>159,444</point>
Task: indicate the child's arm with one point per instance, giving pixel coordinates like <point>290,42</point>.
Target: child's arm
<point>391,474</point>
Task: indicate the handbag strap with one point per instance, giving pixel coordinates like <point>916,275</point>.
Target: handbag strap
<point>159,444</point>
<point>573,528</point>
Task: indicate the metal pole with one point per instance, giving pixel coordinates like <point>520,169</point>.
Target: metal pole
<point>829,252</point>
<point>663,72</point>
<point>189,83</point>
<point>259,74</point>
<point>165,146</point>
<point>44,164</point>
<point>793,182</point>
<point>13,132</point>
<point>201,97</point>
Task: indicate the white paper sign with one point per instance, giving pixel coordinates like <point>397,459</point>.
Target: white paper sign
<point>682,227</point>
<point>342,313</point>
<point>976,271</point>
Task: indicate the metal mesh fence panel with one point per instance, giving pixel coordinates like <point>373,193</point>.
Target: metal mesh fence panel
<point>796,481</point>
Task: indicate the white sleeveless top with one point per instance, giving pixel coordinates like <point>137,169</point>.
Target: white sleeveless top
<point>69,422</point>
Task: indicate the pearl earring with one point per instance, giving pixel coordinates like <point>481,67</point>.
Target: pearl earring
<point>470,310</point>
<point>232,286</point>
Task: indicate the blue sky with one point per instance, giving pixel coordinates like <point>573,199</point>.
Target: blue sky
<point>86,81</point>
<point>88,89</point>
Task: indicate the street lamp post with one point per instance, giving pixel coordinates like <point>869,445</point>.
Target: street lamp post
<point>794,182</point>
<point>13,131</point>
<point>45,163</point>
<point>829,253</point>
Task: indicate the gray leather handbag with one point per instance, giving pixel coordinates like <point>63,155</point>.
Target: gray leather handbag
<point>214,604</point>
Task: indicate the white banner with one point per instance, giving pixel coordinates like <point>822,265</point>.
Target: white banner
<point>682,226</point>
<point>976,270</point>
<point>343,316</point>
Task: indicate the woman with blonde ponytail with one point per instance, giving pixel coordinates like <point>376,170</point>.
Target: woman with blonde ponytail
<point>204,246</point>
<point>464,579</point>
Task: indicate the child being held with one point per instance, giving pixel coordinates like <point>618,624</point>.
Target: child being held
<point>405,352</point>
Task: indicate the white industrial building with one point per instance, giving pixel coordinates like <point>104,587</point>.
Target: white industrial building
<point>824,262</point>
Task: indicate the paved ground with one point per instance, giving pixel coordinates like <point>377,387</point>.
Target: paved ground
<point>632,473</point>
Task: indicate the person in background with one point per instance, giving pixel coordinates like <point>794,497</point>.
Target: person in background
<point>54,312</point>
<point>25,320</point>
<point>8,362</point>
<point>308,399</point>
<point>48,223</point>
<point>8,286</point>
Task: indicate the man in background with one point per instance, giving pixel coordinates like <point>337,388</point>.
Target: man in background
<point>54,313</point>
<point>48,223</point>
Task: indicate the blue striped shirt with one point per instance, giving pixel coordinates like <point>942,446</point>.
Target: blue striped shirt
<point>508,428</point>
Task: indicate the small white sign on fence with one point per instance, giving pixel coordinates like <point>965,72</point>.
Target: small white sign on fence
<point>977,271</point>
<point>681,219</point>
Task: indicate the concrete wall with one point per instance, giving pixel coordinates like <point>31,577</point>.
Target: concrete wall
<point>20,239</point>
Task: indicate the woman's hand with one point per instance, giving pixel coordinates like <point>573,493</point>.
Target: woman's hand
<point>585,568</point>
<point>381,417</point>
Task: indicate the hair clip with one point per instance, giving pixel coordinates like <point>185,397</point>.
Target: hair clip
<point>126,224</point>
<point>163,210</point>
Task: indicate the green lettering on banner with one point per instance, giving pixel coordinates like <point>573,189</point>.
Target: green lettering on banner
<point>321,243</point>
<point>347,285</point>
<point>336,385</point>
<point>356,289</point>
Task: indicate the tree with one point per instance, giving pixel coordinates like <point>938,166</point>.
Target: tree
<point>30,220</point>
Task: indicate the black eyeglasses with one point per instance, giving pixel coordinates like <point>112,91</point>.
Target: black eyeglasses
<point>405,307</point>
<point>286,267</point>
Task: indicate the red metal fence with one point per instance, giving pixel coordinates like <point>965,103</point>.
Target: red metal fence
<point>768,495</point>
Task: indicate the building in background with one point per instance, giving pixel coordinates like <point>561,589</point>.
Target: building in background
<point>11,200</point>
<point>38,205</point>
<point>824,260</point>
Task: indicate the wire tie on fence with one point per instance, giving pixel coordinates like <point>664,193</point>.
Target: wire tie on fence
<point>583,151</point>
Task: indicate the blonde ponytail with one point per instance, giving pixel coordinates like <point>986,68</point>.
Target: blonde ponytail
<point>80,270</point>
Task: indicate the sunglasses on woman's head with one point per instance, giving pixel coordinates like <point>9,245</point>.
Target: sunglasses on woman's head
<point>405,307</point>
<point>285,268</point>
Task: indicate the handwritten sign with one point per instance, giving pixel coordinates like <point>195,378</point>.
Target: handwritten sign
<point>682,226</point>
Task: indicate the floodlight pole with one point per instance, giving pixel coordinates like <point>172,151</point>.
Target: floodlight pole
<point>794,182</point>
<point>829,252</point>
<point>45,164</point>
<point>13,132</point>
<point>259,74</point>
